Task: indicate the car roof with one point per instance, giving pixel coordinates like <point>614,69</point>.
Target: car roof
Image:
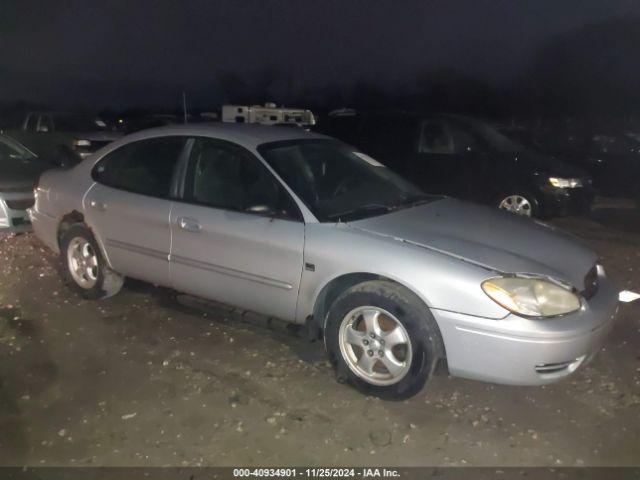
<point>247,135</point>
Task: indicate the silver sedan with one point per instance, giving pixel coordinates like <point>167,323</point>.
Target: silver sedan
<point>301,227</point>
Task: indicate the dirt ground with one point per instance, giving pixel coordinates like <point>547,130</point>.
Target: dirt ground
<point>140,379</point>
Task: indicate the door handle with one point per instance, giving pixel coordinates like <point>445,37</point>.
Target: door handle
<point>97,205</point>
<point>189,224</point>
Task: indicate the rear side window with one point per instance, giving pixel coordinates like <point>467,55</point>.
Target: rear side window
<point>435,138</point>
<point>31,123</point>
<point>144,167</point>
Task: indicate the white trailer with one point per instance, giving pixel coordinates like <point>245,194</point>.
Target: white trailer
<point>268,114</point>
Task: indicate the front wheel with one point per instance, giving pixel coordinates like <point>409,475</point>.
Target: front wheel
<point>382,340</point>
<point>518,203</point>
<point>85,269</point>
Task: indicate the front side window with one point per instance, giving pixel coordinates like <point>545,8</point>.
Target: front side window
<point>336,182</point>
<point>45,125</point>
<point>10,149</point>
<point>463,140</point>
<point>225,176</point>
<point>144,167</point>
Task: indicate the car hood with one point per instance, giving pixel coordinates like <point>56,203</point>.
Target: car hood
<point>20,175</point>
<point>487,237</point>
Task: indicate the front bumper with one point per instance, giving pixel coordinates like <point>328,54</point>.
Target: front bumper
<point>565,201</point>
<point>13,212</point>
<point>520,351</point>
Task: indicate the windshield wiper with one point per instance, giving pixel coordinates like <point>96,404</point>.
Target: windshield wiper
<point>418,200</point>
<point>363,209</point>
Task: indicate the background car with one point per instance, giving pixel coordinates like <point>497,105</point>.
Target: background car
<point>468,159</point>
<point>57,134</point>
<point>611,158</point>
<point>19,172</point>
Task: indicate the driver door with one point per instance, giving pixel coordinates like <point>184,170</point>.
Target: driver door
<point>237,236</point>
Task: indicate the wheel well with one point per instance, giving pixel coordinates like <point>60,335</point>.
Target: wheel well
<point>335,287</point>
<point>67,221</point>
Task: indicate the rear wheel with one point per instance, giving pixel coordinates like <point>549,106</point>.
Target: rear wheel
<point>85,269</point>
<point>382,340</point>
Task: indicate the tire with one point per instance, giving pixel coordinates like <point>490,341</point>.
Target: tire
<point>396,307</point>
<point>511,202</point>
<point>102,282</point>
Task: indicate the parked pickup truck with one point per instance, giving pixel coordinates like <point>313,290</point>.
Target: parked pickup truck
<point>57,134</point>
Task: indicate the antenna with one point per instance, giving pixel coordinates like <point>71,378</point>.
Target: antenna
<point>184,105</point>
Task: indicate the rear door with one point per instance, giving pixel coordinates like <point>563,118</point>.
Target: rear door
<point>129,205</point>
<point>237,236</point>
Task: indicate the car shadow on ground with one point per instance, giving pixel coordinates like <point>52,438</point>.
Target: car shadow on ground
<point>292,335</point>
<point>617,219</point>
<point>33,373</point>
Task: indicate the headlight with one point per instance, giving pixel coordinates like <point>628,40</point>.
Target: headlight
<point>81,143</point>
<point>565,182</point>
<point>533,297</point>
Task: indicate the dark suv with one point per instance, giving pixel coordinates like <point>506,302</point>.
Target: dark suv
<point>467,158</point>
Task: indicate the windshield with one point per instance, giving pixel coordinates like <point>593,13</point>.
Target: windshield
<point>338,183</point>
<point>78,123</point>
<point>10,149</point>
<point>616,144</point>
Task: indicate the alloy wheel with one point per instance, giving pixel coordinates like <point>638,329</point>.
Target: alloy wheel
<point>516,204</point>
<point>375,345</point>
<point>82,262</point>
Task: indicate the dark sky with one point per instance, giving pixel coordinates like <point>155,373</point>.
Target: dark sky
<point>137,52</point>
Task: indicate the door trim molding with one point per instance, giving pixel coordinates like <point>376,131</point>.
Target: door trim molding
<point>272,282</point>
<point>149,252</point>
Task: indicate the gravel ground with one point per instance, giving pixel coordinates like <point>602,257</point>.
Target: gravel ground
<point>140,379</point>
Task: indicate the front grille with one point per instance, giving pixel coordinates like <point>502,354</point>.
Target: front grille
<point>560,368</point>
<point>18,222</point>
<point>20,204</point>
<point>553,367</point>
<point>590,283</point>
<point>98,144</point>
